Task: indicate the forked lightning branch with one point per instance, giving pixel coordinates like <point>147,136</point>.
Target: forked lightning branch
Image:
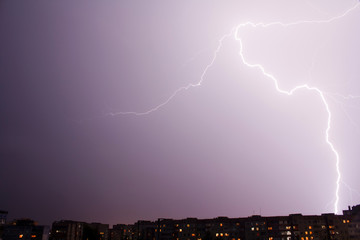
<point>236,33</point>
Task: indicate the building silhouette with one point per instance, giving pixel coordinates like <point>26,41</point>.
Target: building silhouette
<point>291,227</point>
<point>73,230</point>
<point>256,227</point>
<point>67,230</point>
<point>25,229</point>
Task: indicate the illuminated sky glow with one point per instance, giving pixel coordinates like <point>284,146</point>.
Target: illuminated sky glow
<point>236,34</point>
<point>233,146</point>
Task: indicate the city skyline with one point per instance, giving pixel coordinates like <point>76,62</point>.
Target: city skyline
<point>296,226</point>
<point>5,220</point>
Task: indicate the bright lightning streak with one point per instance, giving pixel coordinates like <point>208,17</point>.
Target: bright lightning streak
<point>291,92</point>
<point>235,32</point>
<point>191,85</point>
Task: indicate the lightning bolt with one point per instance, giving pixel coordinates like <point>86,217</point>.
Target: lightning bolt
<point>236,33</point>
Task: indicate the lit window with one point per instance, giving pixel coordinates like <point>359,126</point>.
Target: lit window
<point>180,230</point>
<point>188,225</point>
<point>226,234</point>
<point>271,238</point>
<point>221,224</point>
<point>269,228</point>
<point>33,236</point>
<point>306,232</point>
<point>310,227</point>
<point>288,227</point>
<point>221,234</point>
<point>252,229</point>
<point>21,236</point>
<point>217,234</point>
<point>193,234</point>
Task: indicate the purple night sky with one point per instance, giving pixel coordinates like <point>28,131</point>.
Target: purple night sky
<point>233,147</point>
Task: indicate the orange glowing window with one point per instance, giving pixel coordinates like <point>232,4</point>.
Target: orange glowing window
<point>269,228</point>
<point>21,236</point>
<point>33,236</point>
